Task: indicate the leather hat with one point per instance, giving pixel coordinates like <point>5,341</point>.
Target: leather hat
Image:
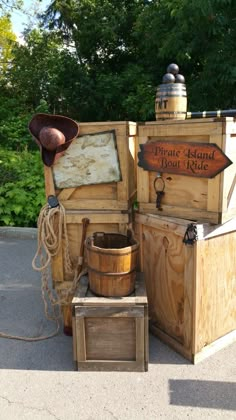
<point>63,129</point>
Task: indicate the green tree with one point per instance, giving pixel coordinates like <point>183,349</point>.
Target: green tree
<point>7,41</point>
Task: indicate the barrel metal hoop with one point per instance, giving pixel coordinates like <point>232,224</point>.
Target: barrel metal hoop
<point>111,274</point>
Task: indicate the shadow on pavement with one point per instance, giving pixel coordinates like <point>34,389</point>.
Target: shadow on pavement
<point>205,394</point>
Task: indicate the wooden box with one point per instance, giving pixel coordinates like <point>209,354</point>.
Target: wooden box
<point>191,197</point>
<point>191,289</point>
<point>106,195</point>
<point>110,334</point>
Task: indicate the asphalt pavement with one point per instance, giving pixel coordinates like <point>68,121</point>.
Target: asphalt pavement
<point>38,381</point>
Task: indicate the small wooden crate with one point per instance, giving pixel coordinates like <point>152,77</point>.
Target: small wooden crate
<point>211,200</point>
<point>106,196</point>
<point>110,334</point>
<point>191,289</point>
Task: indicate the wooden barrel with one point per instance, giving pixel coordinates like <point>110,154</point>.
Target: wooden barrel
<point>112,263</point>
<point>171,101</point>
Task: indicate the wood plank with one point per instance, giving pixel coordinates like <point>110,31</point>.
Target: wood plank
<point>146,337</point>
<point>196,214</point>
<point>95,204</point>
<point>142,178</point>
<point>107,217</point>
<point>110,311</point>
<point>95,192</point>
<point>164,265</point>
<point>184,128</point>
<point>65,194</point>
<point>214,198</point>
<point>80,338</point>
<point>171,342</point>
<point>123,151</point>
<point>216,295</point>
<point>178,226</point>
<point>217,345</point>
<point>140,340</point>
<point>74,341</point>
<point>110,366</point>
<point>110,339</point>
<point>189,298</point>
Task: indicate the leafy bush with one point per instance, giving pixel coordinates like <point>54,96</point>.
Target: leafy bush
<point>21,188</point>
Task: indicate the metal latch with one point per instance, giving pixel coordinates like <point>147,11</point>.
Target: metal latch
<point>190,235</point>
<point>53,201</point>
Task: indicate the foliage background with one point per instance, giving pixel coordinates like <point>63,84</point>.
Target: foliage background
<point>97,60</point>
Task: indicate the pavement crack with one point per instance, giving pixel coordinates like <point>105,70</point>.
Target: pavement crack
<point>28,407</point>
<point>110,412</point>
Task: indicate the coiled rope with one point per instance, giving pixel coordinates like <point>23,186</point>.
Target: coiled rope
<point>52,234</point>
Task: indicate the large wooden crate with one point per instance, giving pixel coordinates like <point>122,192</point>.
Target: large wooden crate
<point>191,289</point>
<point>110,333</point>
<point>188,197</point>
<point>105,196</point>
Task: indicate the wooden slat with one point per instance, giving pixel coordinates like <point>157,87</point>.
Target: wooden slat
<point>74,341</point>
<point>65,194</point>
<point>140,340</point>
<point>123,186</point>
<point>110,366</point>
<point>142,178</point>
<point>183,128</point>
<point>189,297</point>
<point>98,217</point>
<point>217,345</point>
<point>214,198</point>
<point>178,226</point>
<point>95,204</point>
<point>80,338</point>
<point>170,341</point>
<point>216,289</point>
<point>110,311</point>
<point>196,214</point>
<point>146,337</point>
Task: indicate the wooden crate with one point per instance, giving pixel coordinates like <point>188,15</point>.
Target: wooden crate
<point>110,334</point>
<point>191,289</point>
<point>105,196</point>
<point>196,198</point>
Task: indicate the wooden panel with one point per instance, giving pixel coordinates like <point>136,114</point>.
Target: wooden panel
<point>110,339</point>
<point>164,265</point>
<point>107,196</point>
<point>216,289</point>
<point>212,200</point>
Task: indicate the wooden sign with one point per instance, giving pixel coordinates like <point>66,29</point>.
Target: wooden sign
<point>204,160</point>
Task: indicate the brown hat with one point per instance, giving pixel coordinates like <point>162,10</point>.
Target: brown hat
<point>53,144</point>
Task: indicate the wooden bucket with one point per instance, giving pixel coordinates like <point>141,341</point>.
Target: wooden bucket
<point>171,101</point>
<point>112,262</point>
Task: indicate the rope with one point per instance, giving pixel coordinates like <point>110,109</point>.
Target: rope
<point>52,232</point>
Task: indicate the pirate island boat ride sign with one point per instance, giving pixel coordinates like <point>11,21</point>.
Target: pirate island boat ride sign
<point>204,160</point>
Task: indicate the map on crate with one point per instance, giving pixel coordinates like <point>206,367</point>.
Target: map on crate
<point>91,159</point>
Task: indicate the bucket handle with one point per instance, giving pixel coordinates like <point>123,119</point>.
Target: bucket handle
<point>90,239</point>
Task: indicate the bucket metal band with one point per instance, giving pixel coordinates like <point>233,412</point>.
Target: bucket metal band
<point>111,274</point>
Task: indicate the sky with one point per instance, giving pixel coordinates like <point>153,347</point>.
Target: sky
<point>18,18</point>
